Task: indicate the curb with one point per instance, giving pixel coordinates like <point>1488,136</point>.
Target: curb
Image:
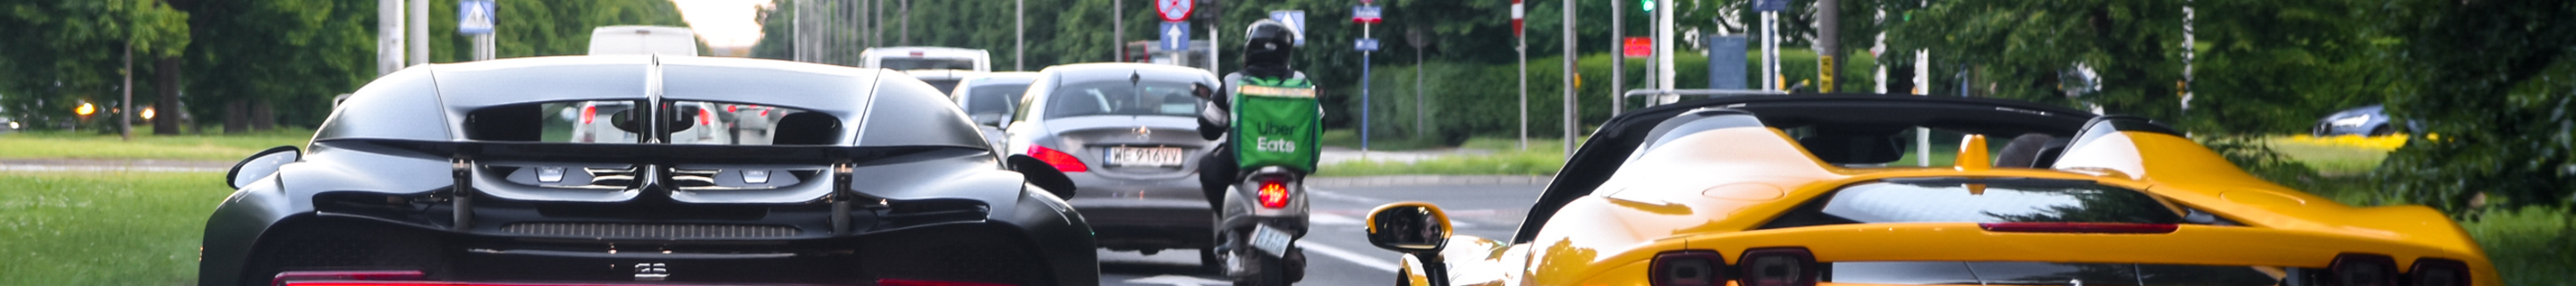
<point>1419,180</point>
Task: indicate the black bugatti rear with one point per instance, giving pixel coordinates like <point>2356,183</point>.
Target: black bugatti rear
<point>650,170</point>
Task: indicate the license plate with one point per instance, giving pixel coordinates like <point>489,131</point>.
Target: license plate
<point>1271,240</point>
<point>1145,156</point>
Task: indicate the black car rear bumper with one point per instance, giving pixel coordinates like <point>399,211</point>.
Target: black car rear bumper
<point>986,252</point>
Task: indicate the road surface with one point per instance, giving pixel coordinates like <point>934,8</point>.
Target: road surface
<point>1336,251</point>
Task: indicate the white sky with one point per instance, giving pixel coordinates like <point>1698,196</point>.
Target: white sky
<point>723,23</point>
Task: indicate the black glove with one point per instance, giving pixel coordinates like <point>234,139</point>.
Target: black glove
<point>1214,121</point>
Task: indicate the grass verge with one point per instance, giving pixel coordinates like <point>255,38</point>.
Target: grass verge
<point>104,228</point>
<point>1532,163</point>
<point>87,145</point>
<point>1544,157</point>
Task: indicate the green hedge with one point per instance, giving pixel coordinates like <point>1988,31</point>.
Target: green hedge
<point>1469,99</point>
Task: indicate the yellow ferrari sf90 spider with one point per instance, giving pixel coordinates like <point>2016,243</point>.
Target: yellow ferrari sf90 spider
<point>1807,190</point>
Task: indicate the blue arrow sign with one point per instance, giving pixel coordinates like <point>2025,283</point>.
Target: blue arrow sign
<point>474,17</point>
<point>1368,45</point>
<point>1175,36</point>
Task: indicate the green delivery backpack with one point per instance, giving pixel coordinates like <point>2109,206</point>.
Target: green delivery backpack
<point>1276,123</point>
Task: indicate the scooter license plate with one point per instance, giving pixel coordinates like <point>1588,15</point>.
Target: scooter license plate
<point>1271,240</point>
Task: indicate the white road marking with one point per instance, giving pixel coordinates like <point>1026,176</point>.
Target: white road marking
<point>1376,262</point>
<point>1331,219</point>
<point>1320,193</point>
<point>1177,280</point>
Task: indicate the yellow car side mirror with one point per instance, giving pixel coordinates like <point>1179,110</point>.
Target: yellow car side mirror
<point>1410,227</point>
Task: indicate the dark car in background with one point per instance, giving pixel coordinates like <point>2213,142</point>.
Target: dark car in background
<point>859,177</point>
<point>1128,134</point>
<point>2369,120</point>
<point>988,99</point>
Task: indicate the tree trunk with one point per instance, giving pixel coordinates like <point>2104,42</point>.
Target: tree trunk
<point>167,122</point>
<point>262,117</point>
<point>236,117</point>
<point>125,107</point>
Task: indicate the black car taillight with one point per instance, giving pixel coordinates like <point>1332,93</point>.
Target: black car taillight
<point>1688,268</point>
<point>909,282</point>
<point>1062,162</point>
<point>2438,272</point>
<point>2352,269</point>
<point>290,277</point>
<point>1785,266</point>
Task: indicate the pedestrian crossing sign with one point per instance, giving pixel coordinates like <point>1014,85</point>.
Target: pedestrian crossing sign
<point>474,17</point>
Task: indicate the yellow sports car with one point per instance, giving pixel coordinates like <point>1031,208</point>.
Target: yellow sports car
<point>1807,190</point>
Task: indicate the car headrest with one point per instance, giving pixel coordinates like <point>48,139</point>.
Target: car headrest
<point>1849,145</point>
<point>2024,151</point>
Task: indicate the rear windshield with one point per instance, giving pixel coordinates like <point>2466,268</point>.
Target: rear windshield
<point>690,122</point>
<point>1162,98</point>
<point>993,98</point>
<point>926,64</point>
<point>2001,200</point>
<point>944,85</point>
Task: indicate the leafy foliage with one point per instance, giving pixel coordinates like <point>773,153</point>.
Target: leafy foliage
<point>2029,50</point>
<point>2495,80</point>
<point>62,53</point>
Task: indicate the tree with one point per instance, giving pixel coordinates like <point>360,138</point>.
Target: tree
<point>266,62</point>
<point>63,53</point>
<point>2490,84</point>
<point>2271,67</point>
<point>2031,50</point>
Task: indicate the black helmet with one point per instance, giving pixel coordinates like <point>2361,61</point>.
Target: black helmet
<point>1268,42</point>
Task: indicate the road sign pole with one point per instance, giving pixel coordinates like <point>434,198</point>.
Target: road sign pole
<point>1520,50</point>
<point>1368,17</point>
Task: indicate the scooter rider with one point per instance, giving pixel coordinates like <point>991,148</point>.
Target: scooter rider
<point>1265,59</point>
<point>1280,130</point>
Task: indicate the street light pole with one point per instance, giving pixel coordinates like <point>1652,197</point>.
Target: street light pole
<point>1568,85</point>
<point>1019,35</point>
<point>1618,56</point>
<point>419,32</point>
<point>1118,30</point>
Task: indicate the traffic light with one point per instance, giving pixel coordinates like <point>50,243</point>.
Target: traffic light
<point>1649,5</point>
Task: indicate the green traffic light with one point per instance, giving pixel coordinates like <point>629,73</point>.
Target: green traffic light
<point>1649,5</point>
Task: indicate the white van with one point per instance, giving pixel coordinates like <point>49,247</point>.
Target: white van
<point>940,66</point>
<point>643,40</point>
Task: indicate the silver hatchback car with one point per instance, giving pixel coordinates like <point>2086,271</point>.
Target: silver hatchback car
<point>1127,134</point>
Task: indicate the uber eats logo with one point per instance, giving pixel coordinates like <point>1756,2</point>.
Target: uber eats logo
<point>1266,144</point>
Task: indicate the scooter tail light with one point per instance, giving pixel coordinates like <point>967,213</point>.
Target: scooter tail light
<point>2438,272</point>
<point>289,277</point>
<point>1687,268</point>
<point>2354,269</point>
<point>1061,161</point>
<point>1274,193</point>
<point>1785,266</point>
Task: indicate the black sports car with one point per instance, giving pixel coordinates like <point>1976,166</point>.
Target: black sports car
<point>472,173</point>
